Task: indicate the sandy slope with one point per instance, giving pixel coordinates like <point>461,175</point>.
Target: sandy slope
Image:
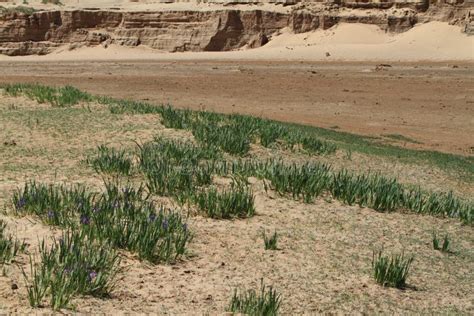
<point>434,41</point>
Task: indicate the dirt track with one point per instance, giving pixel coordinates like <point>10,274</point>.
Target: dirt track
<point>429,103</point>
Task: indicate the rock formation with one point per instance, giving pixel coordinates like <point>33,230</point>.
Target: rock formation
<point>40,32</point>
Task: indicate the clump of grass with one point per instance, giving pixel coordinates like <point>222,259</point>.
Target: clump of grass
<point>265,302</point>
<point>306,181</point>
<point>174,168</point>
<point>111,161</point>
<point>316,146</point>
<point>444,247</point>
<point>53,204</point>
<point>58,97</point>
<point>391,271</point>
<point>174,118</point>
<point>270,242</point>
<point>374,191</point>
<point>73,265</point>
<point>271,133</point>
<point>238,201</point>
<point>230,138</point>
<point>9,246</point>
<point>122,217</point>
<point>176,151</point>
<point>125,219</point>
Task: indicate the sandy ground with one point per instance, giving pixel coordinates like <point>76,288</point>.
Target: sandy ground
<point>430,103</point>
<point>323,265</point>
<point>433,41</point>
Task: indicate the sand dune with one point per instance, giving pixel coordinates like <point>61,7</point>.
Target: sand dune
<point>433,41</point>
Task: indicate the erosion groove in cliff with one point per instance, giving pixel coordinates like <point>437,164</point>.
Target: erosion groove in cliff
<point>172,31</point>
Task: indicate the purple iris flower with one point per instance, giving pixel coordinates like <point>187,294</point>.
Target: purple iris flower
<point>50,214</point>
<point>85,220</point>
<point>152,217</point>
<point>92,275</point>
<point>21,203</point>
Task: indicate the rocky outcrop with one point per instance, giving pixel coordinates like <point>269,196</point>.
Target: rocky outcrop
<point>213,30</point>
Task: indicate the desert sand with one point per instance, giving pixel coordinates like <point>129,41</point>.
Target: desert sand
<point>433,41</point>
<point>396,91</point>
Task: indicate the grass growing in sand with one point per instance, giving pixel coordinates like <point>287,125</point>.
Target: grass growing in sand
<point>9,246</point>
<point>127,178</point>
<point>270,242</point>
<point>391,270</point>
<point>72,265</point>
<point>266,301</point>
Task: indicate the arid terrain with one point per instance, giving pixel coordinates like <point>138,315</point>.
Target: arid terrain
<point>325,247</point>
<point>232,157</point>
<point>430,104</point>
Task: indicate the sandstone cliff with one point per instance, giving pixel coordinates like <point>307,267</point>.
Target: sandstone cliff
<point>24,33</point>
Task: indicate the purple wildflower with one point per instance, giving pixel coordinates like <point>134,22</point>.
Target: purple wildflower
<point>92,275</point>
<point>21,203</point>
<point>85,220</point>
<point>152,217</point>
<point>67,271</point>
<point>50,214</point>
<point>95,209</point>
<point>165,224</point>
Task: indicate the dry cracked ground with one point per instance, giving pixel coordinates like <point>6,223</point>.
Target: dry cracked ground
<point>323,264</point>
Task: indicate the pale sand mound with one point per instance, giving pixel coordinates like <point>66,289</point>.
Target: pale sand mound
<point>430,41</point>
<point>434,41</point>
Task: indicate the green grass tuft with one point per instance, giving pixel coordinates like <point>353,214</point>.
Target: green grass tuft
<point>265,303</point>
<point>391,271</point>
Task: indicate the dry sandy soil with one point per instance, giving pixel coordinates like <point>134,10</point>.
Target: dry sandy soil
<point>430,103</point>
<point>323,265</point>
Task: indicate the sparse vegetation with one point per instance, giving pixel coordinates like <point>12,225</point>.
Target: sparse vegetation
<point>9,246</point>
<point>216,166</point>
<point>73,265</point>
<point>266,301</point>
<point>444,247</point>
<point>111,161</point>
<point>236,202</point>
<point>58,97</point>
<point>391,270</point>
<point>122,217</point>
<point>270,242</point>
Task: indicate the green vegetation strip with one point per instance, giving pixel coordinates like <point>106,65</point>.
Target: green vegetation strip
<point>312,139</point>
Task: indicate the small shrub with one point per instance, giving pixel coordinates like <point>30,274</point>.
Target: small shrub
<point>265,303</point>
<point>270,242</point>
<point>391,271</point>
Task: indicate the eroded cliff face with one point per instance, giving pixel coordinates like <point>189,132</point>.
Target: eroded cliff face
<point>212,30</point>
